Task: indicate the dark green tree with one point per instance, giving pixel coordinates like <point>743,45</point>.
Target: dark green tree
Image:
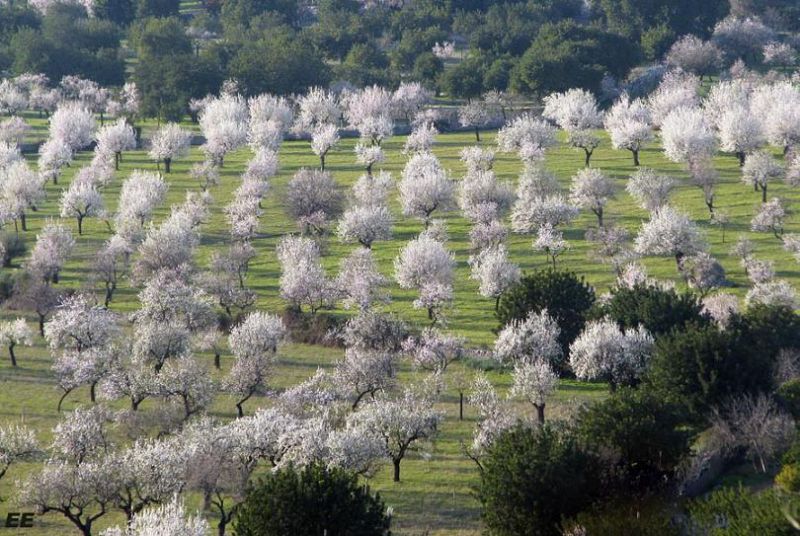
<point>532,479</point>
<point>280,64</point>
<point>568,55</point>
<point>700,367</point>
<point>314,501</point>
<point>640,436</point>
<point>464,80</point>
<point>657,309</point>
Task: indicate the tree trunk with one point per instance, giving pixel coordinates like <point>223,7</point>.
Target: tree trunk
<point>167,164</point>
<point>497,303</point>
<point>11,353</point>
<point>61,400</point>
<point>396,470</point>
<point>217,360</point>
<point>636,157</point>
<point>477,134</point>
<point>461,406</point>
<point>109,294</point>
<point>92,393</point>
<point>116,161</point>
<point>23,221</point>
<point>80,225</point>
<point>540,412</point>
<point>41,324</point>
<point>764,194</point>
<point>740,155</point>
<point>599,213</point>
<point>587,157</point>
<point>322,162</point>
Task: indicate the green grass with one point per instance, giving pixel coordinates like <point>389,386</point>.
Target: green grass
<point>435,494</point>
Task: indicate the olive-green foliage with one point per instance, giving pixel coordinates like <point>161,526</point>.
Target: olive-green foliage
<point>740,512</point>
<point>658,310</point>
<point>534,478</point>
<point>639,434</point>
<point>314,501</point>
<point>649,516</point>
<point>566,297</point>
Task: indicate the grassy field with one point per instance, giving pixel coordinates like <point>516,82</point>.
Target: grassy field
<point>435,494</point>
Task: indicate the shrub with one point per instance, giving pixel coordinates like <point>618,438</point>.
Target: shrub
<point>647,517</point>
<point>788,479</point>
<point>314,501</point>
<point>737,511</point>
<point>566,297</point>
<point>534,478</point>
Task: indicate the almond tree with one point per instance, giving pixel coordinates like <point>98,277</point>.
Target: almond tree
<point>270,118</point>
<point>303,280</point>
<point>603,351</point>
<point>740,132</point>
<point>400,423</point>
<point>365,225</point>
<point>139,196</point>
<point>18,443</point>
<point>81,200</point>
<point>535,383</point>
<point>759,169</point>
<point>224,125</point>
<point>74,125</point>
<point>771,217</point>
<point>169,142</point>
<point>669,233</point>
<point>81,335</point>
<point>364,372</point>
<point>649,189</point>
<point>474,114</point>
<point>426,265</point>
<point>425,187</point>
<point>21,189</point>
<point>323,139</point>
<point>115,138</point>
<point>526,135</point>
<point>434,350</point>
<point>54,245</point>
<point>575,111</point>
<point>170,518</point>
<point>54,155</point>
<point>677,90</point>
<point>694,55</point>
<point>359,281</point>
<point>494,272</point>
<point>591,189</point>
<point>686,135</point>
<point>529,341</point>
<point>421,139</point>
<point>313,199</point>
<point>253,344</point>
<point>13,333</point>
<point>369,111</point>
<point>629,125</point>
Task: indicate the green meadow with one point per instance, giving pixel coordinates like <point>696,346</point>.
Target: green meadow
<point>435,495</point>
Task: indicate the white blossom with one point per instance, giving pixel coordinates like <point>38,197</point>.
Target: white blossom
<point>530,340</point>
